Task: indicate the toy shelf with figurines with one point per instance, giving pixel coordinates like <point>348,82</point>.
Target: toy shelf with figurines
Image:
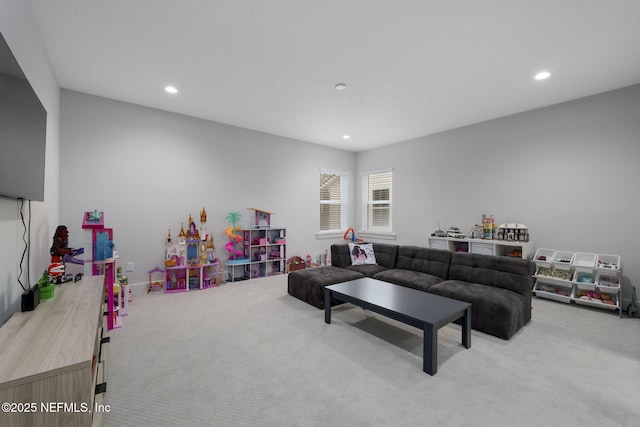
<point>580,277</point>
<point>264,250</point>
<point>482,246</point>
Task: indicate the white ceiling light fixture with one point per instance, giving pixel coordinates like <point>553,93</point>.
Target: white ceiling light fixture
<point>171,89</point>
<point>345,137</point>
<point>542,75</point>
<point>341,86</point>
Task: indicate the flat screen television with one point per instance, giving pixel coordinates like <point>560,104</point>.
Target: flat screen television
<point>23,132</point>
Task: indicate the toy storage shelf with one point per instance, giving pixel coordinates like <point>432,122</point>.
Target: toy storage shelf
<point>265,252</point>
<point>189,277</point>
<point>583,278</point>
<point>482,246</point>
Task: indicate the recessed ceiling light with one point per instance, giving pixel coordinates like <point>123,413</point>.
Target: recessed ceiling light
<point>341,86</point>
<point>171,89</point>
<point>542,75</point>
<point>345,137</point>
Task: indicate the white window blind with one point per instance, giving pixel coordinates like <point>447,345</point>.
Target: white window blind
<point>333,200</point>
<point>376,197</point>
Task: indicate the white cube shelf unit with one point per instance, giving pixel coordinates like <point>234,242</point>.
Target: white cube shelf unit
<point>583,278</point>
<point>264,253</point>
<point>483,246</point>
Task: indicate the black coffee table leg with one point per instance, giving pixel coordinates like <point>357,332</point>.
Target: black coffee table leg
<point>327,306</point>
<point>430,353</point>
<point>466,328</point>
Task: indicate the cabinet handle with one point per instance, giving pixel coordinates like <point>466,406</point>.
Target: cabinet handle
<point>101,388</point>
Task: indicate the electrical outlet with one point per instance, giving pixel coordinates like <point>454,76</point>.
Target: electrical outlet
<point>130,266</point>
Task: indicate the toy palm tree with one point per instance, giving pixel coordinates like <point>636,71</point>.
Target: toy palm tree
<point>234,219</point>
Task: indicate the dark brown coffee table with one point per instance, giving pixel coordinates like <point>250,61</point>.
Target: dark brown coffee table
<point>415,308</point>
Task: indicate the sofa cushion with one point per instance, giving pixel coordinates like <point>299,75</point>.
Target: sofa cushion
<point>494,310</point>
<point>308,285</point>
<point>425,260</point>
<point>368,270</point>
<point>362,253</point>
<point>408,278</point>
<point>513,274</point>
<point>340,255</point>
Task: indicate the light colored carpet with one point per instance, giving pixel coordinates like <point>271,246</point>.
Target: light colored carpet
<point>247,354</point>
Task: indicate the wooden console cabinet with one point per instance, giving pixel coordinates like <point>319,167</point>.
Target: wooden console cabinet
<point>51,359</point>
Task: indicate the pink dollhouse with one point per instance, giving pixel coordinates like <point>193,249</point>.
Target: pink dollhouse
<point>191,263</point>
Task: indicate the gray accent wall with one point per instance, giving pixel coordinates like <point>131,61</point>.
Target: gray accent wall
<point>149,169</point>
<point>569,172</point>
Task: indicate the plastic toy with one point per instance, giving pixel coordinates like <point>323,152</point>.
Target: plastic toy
<point>156,278</point>
<point>353,235</point>
<point>234,219</point>
<point>262,218</point>
<point>455,232</point>
<point>439,232</point>
<point>488,226</point>
<point>295,263</point>
<point>513,232</point>
<point>203,225</point>
<point>59,251</point>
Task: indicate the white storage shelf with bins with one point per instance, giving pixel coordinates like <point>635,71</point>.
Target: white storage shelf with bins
<point>584,278</point>
<point>483,246</point>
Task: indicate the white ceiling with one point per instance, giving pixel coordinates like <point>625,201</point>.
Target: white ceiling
<point>413,67</point>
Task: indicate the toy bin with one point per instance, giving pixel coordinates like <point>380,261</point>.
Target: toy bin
<point>606,283</point>
<point>562,260</point>
<point>544,272</point>
<point>47,292</point>
<point>585,281</point>
<point>608,262</point>
<point>556,293</point>
<point>543,257</point>
<point>604,300</point>
<point>584,261</point>
<point>562,277</point>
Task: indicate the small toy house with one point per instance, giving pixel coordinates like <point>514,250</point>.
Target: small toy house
<point>262,218</point>
<point>156,279</point>
<point>513,232</point>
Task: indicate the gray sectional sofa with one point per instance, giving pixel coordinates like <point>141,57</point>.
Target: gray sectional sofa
<point>498,287</point>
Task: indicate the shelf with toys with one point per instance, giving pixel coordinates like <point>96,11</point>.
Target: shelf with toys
<point>486,238</point>
<point>482,246</point>
<point>584,278</point>
<point>259,251</point>
<point>190,263</point>
<point>266,251</point>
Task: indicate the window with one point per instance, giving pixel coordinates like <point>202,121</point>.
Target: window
<point>376,198</point>
<point>333,200</point>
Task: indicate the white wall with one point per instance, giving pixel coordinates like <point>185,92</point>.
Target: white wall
<point>149,169</point>
<point>569,172</point>
<point>20,32</point>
